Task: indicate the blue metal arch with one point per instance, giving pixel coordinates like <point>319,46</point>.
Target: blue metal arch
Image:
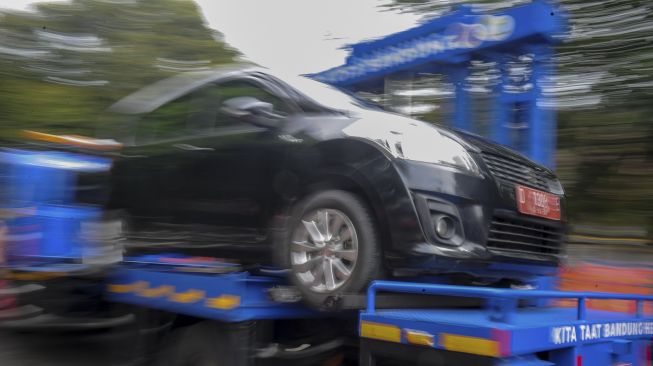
<point>447,44</point>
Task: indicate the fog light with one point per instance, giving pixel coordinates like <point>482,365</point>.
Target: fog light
<point>444,227</point>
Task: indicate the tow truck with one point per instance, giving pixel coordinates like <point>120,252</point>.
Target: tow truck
<point>177,309</point>
<point>207,311</point>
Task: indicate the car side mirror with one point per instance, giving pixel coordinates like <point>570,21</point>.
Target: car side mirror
<point>251,110</point>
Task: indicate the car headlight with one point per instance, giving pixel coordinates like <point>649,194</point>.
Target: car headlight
<point>555,186</point>
<point>419,142</point>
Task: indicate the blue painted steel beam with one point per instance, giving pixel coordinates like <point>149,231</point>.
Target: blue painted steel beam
<point>487,293</point>
<point>444,40</point>
<point>230,297</point>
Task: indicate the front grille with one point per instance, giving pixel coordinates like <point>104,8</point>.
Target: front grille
<point>522,237</point>
<point>514,171</point>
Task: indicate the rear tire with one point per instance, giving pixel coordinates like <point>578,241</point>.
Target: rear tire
<point>331,246</point>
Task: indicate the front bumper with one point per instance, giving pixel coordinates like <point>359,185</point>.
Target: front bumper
<point>491,237</point>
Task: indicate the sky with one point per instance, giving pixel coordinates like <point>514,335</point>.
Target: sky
<point>300,36</point>
<point>293,36</point>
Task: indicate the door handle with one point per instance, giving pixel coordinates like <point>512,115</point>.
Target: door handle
<point>189,147</point>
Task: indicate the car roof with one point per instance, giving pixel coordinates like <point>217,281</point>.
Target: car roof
<point>155,95</point>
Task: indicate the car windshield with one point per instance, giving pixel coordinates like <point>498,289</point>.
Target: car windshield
<point>327,95</point>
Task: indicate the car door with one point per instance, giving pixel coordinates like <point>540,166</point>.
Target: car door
<point>150,176</point>
<point>229,164</point>
<point>197,176</point>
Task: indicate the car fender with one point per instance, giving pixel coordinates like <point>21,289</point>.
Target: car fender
<point>360,166</point>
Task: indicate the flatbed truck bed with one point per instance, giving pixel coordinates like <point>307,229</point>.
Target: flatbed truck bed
<point>501,330</point>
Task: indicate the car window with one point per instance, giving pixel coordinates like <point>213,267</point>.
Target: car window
<point>199,112</point>
<point>325,95</point>
<point>244,88</point>
<point>191,114</point>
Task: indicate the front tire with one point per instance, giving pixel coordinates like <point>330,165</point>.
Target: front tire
<point>332,246</point>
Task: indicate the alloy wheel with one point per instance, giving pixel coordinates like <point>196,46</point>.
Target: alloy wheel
<point>324,249</point>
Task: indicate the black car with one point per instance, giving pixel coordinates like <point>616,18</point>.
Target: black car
<point>240,163</point>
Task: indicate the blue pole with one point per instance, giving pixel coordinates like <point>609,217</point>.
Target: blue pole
<point>498,130</point>
<point>458,75</point>
<point>541,138</point>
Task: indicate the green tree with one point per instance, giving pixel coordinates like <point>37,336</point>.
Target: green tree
<point>62,65</point>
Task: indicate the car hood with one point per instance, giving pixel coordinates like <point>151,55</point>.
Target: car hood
<point>485,145</point>
<point>373,124</point>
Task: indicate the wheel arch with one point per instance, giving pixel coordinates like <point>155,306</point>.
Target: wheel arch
<point>359,167</point>
<point>336,180</point>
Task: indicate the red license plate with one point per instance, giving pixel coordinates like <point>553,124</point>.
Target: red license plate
<point>537,203</point>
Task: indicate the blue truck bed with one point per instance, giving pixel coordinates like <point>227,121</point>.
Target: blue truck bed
<point>514,335</point>
<point>501,331</point>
